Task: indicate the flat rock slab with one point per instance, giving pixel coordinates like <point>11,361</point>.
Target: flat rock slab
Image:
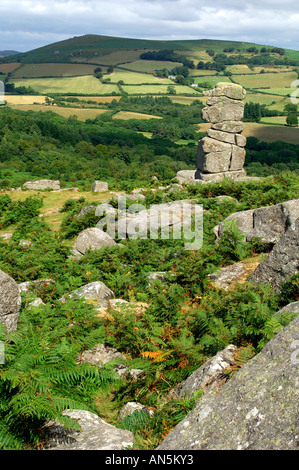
<point>95,434</point>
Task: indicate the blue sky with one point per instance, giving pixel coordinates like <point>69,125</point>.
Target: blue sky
<point>28,24</point>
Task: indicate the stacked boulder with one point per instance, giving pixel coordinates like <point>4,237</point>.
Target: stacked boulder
<point>222,153</point>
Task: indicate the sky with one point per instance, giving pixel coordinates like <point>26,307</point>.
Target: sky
<point>28,24</point>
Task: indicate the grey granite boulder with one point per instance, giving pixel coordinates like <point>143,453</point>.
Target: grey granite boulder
<point>42,184</point>
<point>94,239</point>
<point>283,261</point>
<point>293,307</point>
<point>266,223</point>
<point>10,302</point>
<point>99,187</point>
<point>257,409</point>
<point>95,434</point>
<point>95,293</point>
<point>209,376</point>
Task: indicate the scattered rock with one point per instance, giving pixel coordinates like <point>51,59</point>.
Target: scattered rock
<point>36,303</point>
<point>99,187</point>
<point>101,354</point>
<point>131,407</point>
<point>255,410</point>
<point>42,184</point>
<point>37,285</point>
<point>209,376</point>
<point>10,302</point>
<point>293,307</point>
<point>6,236</point>
<point>185,176</point>
<point>283,261</point>
<point>25,243</point>
<point>266,223</point>
<point>95,434</point>
<point>95,293</point>
<point>94,239</point>
<point>229,275</point>
<point>85,211</point>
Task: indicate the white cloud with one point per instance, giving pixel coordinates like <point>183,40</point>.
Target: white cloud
<point>26,24</point>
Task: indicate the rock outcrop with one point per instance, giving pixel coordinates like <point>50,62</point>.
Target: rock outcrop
<point>95,293</point>
<point>210,376</point>
<point>42,184</point>
<point>283,261</point>
<point>10,302</point>
<point>95,434</point>
<point>221,153</point>
<point>257,409</point>
<point>99,187</point>
<point>94,239</point>
<point>266,223</point>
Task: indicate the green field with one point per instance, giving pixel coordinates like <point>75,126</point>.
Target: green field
<point>136,78</point>
<point>53,70</point>
<point>271,80</point>
<point>81,113</point>
<point>211,80</point>
<point>79,85</point>
<point>131,115</point>
<point>149,66</point>
<point>158,89</point>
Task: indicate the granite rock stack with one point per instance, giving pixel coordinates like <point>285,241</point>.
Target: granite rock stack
<point>221,153</point>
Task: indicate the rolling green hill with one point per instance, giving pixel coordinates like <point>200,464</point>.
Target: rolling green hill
<point>91,47</point>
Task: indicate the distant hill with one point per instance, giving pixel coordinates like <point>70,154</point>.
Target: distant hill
<point>90,48</point>
<point>8,53</point>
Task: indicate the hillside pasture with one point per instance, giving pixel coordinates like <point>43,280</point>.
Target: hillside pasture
<point>117,57</point>
<point>24,99</point>
<point>8,68</point>
<point>81,113</point>
<point>157,89</point>
<point>80,85</point>
<point>126,115</point>
<point>53,70</point>
<point>136,78</point>
<point>271,80</point>
<point>149,66</point>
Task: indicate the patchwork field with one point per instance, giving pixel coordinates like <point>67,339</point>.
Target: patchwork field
<point>81,113</point>
<point>136,78</point>
<point>130,115</point>
<point>271,80</point>
<point>80,85</point>
<point>53,70</point>
<point>211,80</point>
<point>157,89</point>
<point>149,66</point>
<point>24,99</point>
<point>8,68</point>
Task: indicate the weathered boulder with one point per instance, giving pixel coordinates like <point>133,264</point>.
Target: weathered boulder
<point>95,293</point>
<point>257,409</point>
<point>95,434</point>
<point>101,354</point>
<point>42,184</point>
<point>10,302</point>
<point>283,261</point>
<point>229,275</point>
<point>185,176</point>
<point>94,239</point>
<point>35,286</point>
<point>266,223</point>
<point>85,211</point>
<point>221,154</point>
<point>130,408</point>
<point>230,90</point>
<point>293,307</point>
<point>99,187</point>
<point>209,376</point>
